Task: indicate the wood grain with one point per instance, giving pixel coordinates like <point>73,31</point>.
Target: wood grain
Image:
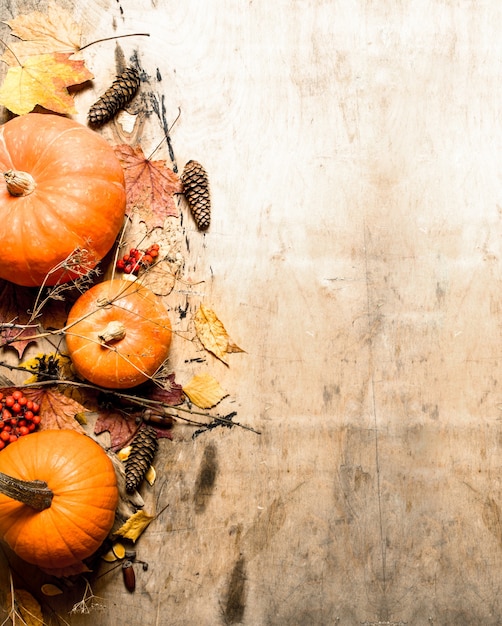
<point>354,253</point>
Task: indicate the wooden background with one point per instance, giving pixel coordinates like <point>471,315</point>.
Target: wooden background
<point>354,150</point>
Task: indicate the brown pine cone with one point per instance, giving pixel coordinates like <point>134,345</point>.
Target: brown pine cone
<point>196,189</point>
<point>116,97</point>
<point>143,449</point>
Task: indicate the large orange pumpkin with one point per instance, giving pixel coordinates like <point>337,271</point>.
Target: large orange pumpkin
<point>81,512</point>
<point>118,334</point>
<point>64,195</point>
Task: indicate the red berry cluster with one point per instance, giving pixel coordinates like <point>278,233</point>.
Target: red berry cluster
<point>136,260</point>
<point>19,417</point>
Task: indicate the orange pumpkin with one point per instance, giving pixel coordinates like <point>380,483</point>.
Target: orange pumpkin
<point>81,511</point>
<point>64,195</point>
<point>118,334</point>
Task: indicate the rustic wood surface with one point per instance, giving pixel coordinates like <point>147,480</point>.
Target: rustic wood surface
<point>354,151</point>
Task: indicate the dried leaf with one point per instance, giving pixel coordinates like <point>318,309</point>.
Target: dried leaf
<point>51,31</point>
<point>213,335</point>
<point>204,391</point>
<point>27,608</point>
<point>57,411</point>
<point>43,79</point>
<point>135,525</point>
<point>150,185</point>
<point>50,590</point>
<point>171,394</point>
<point>120,428</point>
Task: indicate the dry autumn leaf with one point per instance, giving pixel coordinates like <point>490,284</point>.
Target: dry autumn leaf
<point>213,335</point>
<point>135,525</point>
<point>150,185</point>
<point>43,79</point>
<point>57,411</point>
<point>120,428</point>
<point>204,391</point>
<point>51,31</point>
<point>26,608</point>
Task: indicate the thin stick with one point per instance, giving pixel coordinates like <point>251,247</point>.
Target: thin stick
<point>111,38</point>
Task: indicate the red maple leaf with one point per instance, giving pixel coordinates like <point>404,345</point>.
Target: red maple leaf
<point>150,185</point>
<point>122,429</point>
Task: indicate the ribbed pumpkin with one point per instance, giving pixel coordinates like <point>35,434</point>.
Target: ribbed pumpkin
<point>64,191</point>
<point>118,334</point>
<point>81,512</point>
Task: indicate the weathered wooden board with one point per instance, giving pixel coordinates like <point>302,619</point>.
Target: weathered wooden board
<point>354,150</point>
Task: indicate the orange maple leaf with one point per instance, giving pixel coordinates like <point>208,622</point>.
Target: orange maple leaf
<point>150,185</point>
<point>57,411</point>
<point>43,79</point>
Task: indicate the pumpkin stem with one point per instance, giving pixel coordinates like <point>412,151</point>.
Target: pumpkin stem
<point>33,493</point>
<point>115,331</point>
<point>19,183</point>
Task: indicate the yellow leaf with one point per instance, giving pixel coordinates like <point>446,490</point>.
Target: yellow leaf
<point>204,391</point>
<point>213,334</point>
<point>43,79</point>
<point>58,363</point>
<point>51,31</point>
<point>134,526</point>
<point>27,608</point>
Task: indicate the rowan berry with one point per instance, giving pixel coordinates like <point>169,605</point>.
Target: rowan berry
<point>9,401</point>
<point>16,407</point>
<point>28,415</point>
<point>23,401</point>
<point>24,430</point>
<point>5,435</point>
<point>12,438</point>
<point>29,405</point>
<point>35,419</point>
<point>36,407</point>
<point>6,415</point>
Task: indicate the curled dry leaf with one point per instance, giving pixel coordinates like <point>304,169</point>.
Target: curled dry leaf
<point>150,185</point>
<point>43,79</point>
<point>26,607</point>
<point>213,334</point>
<point>204,391</point>
<point>135,525</point>
<point>51,31</point>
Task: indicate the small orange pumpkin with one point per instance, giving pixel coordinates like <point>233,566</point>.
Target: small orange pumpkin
<point>118,334</point>
<point>59,525</point>
<point>64,195</point>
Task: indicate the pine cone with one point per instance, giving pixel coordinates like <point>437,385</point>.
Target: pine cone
<point>144,446</point>
<point>196,189</point>
<point>121,92</point>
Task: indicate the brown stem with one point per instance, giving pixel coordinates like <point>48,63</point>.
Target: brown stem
<point>35,493</point>
<point>115,331</point>
<point>19,183</point>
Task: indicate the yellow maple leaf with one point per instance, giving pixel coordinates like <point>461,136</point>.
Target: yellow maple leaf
<point>204,391</point>
<point>213,334</point>
<point>133,527</point>
<point>51,31</point>
<point>43,79</point>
